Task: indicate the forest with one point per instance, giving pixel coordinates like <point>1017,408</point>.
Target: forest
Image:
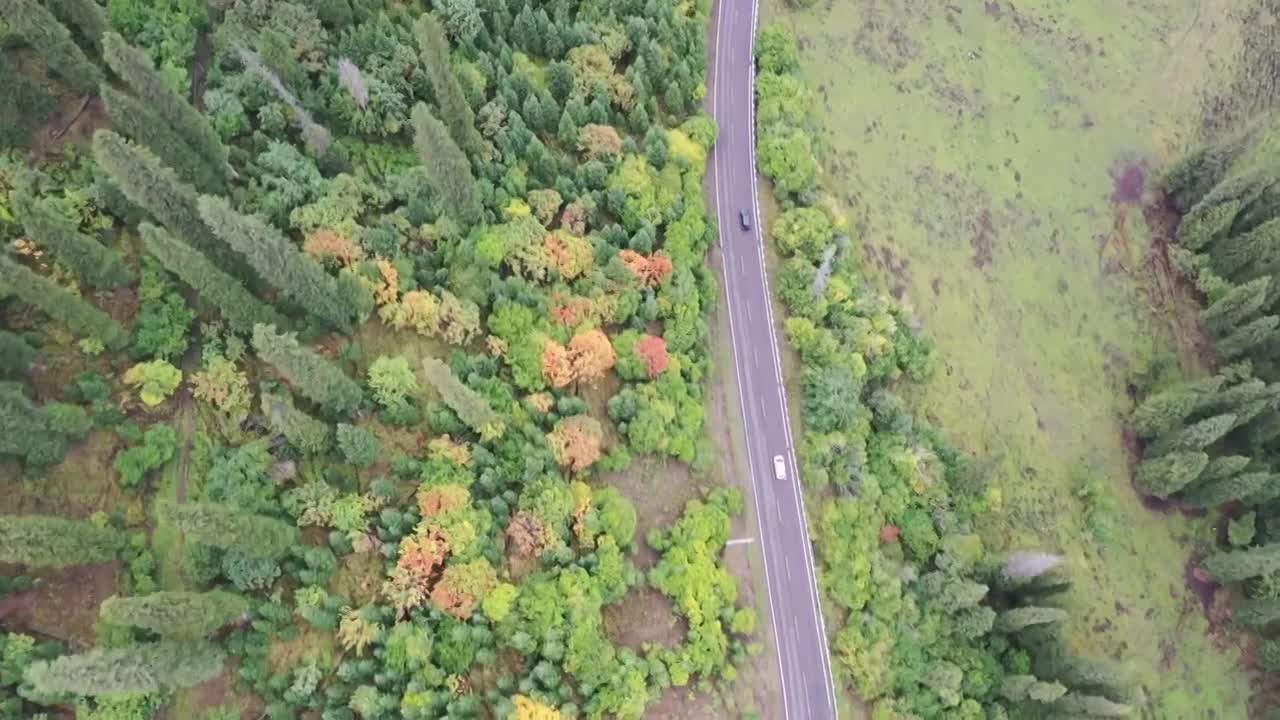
<point>339,312</point>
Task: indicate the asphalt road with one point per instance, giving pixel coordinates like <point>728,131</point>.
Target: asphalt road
<point>794,612</point>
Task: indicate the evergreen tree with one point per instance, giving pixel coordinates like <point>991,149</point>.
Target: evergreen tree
<point>50,227</point>
<point>1221,468</point>
<point>1236,307</point>
<point>1232,399</point>
<point>175,614</point>
<point>38,435</point>
<point>298,276</point>
<point>1259,247</point>
<point>1094,706</point>
<point>135,68</point>
<point>26,106</point>
<point>132,118</point>
<point>1262,430</point>
<point>15,354</point>
<point>1258,210</point>
<point>452,101</point>
<point>229,528</point>
<point>1192,178</point>
<point>39,541</point>
<point>87,16</point>
<point>1166,410</point>
<point>146,182</point>
<point>448,169</point>
<point>42,31</point>
<point>1244,564</point>
<point>1193,437</point>
<point>1202,228</point>
<point>238,306</point>
<point>1165,475</point>
<point>1018,619</point>
<point>314,377</point>
<point>1233,488</point>
<point>1247,337</point>
<point>61,304</point>
<point>470,406</point>
<point>128,670</point>
<point>1258,612</point>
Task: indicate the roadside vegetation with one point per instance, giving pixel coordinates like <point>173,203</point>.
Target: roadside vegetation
<point>322,324</point>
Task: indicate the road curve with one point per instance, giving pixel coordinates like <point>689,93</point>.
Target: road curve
<point>795,615</point>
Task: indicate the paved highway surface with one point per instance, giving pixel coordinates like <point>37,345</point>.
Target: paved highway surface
<point>794,612</point>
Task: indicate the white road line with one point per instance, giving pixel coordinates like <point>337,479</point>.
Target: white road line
<point>740,541</point>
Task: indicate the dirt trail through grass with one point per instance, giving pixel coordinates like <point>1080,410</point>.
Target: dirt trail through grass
<point>998,160</point>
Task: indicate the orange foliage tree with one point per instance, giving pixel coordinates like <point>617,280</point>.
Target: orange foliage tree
<point>556,367</point>
<point>591,355</point>
<point>575,441</point>
<point>463,586</point>
<point>653,351</point>
<point>329,245</point>
<point>651,271</point>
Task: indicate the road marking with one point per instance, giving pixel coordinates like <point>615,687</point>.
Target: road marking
<point>740,541</point>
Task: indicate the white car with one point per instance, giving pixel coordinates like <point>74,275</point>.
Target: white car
<point>779,468</point>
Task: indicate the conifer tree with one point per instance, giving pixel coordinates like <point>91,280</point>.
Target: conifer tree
<point>229,528</point>
<point>49,227</point>
<point>175,614</point>
<point>26,106</point>
<point>39,541</point>
<point>86,16</point>
<point>129,670</point>
<point>1257,612</point>
<point>1166,410</point>
<point>1208,224</point>
<point>314,377</point>
<point>1262,207</point>
<point>298,276</point>
<point>1244,564</point>
<point>1239,486</point>
<point>134,119</point>
<point>470,406</point>
<point>15,354</point>
<point>448,170</point>
<point>1018,619</point>
<point>148,183</point>
<point>51,39</point>
<point>38,435</point>
<point>1233,255</point>
<point>1094,706</point>
<point>1232,399</point>
<point>305,433</point>
<point>1221,468</point>
<point>1236,307</point>
<point>454,109</point>
<point>1247,337</point>
<point>1165,475</point>
<point>1195,176</point>
<point>135,68</point>
<point>61,304</point>
<point>238,306</point>
<point>1193,437</point>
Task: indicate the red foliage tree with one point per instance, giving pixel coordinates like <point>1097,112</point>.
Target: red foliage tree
<point>653,351</point>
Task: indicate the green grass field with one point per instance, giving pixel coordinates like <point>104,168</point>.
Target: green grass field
<point>995,162</point>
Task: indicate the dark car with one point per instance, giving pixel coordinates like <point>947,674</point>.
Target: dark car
<point>745,218</point>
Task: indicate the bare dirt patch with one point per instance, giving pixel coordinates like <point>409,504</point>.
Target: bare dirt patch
<point>64,603</point>
<point>643,618</point>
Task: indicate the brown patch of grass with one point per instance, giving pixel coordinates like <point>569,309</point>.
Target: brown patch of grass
<point>309,644</point>
<point>642,618</point>
<point>65,602</point>
<point>359,577</point>
<point>659,490</point>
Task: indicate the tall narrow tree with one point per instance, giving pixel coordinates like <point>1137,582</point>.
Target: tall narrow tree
<point>135,68</point>
<point>1238,306</point>
<point>61,304</point>
<point>238,306</point>
<point>298,276</point>
<point>454,109</point>
<point>136,669</point>
<point>1244,564</point>
<point>15,354</point>
<point>131,117</point>
<point>85,15</point>
<point>175,614</point>
<point>36,434</point>
<point>229,528</point>
<point>314,377</point>
<point>50,227</point>
<point>1233,488</point>
<point>448,170</point>
<point>39,541</point>
<point>42,31</point>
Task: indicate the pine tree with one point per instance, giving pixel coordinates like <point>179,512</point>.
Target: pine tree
<point>470,406</point>
<point>85,15</point>
<point>175,614</point>
<point>1259,209</point>
<point>1258,612</point>
<point>448,170</point>
<point>1232,399</point>
<point>314,377</point>
<point>1257,248</point>
<point>305,433</point>
<point>27,105</point>
<point>129,670</point>
<point>38,541</point>
<point>1248,337</point>
<point>1263,430</point>
<point>1221,468</point>
<point>146,182</point>
<point>1018,619</point>
<point>1236,307</point>
<point>1244,564</point>
<point>1165,475</point>
<point>135,120</point>
<point>61,304</point>
<point>38,435</point>
<point>1193,437</point>
<point>50,227</point>
<point>454,109</point>
<point>1193,177</point>
<point>15,354</point>
<point>1094,706</point>
<point>135,68</point>
<point>1166,410</point>
<point>1206,225</point>
<point>1233,488</point>
<point>238,306</point>
<point>298,276</point>
<point>52,40</point>
<point>229,528</point>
